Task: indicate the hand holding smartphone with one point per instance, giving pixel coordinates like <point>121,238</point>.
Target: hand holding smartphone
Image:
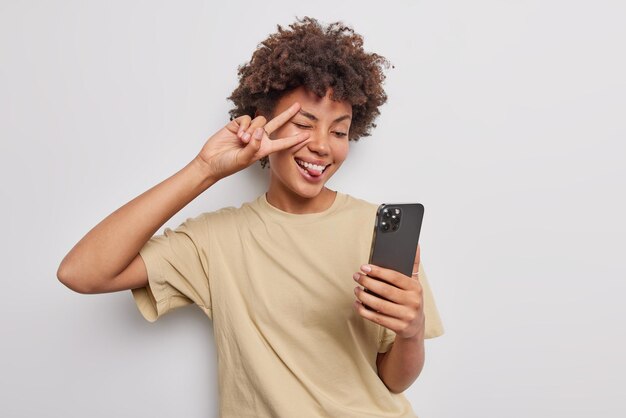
<point>396,235</point>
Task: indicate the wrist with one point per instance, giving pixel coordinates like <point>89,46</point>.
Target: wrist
<point>415,339</point>
<point>203,173</point>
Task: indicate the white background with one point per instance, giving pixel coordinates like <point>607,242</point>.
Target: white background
<point>506,119</point>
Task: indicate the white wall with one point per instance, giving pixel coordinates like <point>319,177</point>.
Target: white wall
<point>506,117</point>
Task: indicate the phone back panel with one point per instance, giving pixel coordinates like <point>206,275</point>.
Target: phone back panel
<point>395,240</point>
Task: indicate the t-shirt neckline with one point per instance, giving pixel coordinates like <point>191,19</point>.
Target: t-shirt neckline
<point>340,199</point>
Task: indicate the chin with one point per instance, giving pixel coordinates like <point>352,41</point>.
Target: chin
<point>309,191</point>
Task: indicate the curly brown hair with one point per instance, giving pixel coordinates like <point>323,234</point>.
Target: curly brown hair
<point>317,58</point>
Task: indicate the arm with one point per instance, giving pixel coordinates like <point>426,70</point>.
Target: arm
<point>399,367</point>
<point>107,258</point>
<point>403,313</point>
<point>100,257</point>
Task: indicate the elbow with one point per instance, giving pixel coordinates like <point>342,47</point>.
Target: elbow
<point>392,389</point>
<point>395,391</point>
<point>73,282</point>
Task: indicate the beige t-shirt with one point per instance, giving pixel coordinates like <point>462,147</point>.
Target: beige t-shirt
<point>279,290</point>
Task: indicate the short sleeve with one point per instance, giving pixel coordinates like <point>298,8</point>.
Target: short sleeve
<point>434,326</point>
<point>177,270</point>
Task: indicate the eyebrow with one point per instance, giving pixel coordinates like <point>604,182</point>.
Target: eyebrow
<point>314,118</point>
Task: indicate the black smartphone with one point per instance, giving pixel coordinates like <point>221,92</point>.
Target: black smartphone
<point>396,235</point>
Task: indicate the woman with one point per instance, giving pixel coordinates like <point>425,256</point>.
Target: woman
<point>292,335</point>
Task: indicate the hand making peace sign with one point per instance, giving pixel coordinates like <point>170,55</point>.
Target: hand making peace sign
<point>244,141</point>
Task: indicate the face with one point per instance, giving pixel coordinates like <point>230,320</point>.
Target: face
<point>305,168</point>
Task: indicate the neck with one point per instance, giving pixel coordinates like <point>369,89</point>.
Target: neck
<point>290,202</point>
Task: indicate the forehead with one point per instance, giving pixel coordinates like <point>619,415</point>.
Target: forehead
<point>310,102</point>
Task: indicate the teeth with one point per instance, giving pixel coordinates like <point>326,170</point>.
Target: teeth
<point>311,166</point>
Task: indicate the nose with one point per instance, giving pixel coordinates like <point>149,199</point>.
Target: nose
<point>318,143</point>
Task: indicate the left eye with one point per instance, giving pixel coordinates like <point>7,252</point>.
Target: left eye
<point>341,134</point>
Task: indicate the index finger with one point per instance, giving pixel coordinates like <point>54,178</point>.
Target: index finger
<point>282,118</point>
<point>392,277</point>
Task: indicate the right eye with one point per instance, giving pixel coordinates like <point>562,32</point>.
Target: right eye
<point>300,126</point>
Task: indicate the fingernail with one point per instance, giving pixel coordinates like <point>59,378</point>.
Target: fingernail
<point>356,276</point>
<point>240,132</point>
<point>366,268</point>
<point>258,133</point>
<point>246,137</point>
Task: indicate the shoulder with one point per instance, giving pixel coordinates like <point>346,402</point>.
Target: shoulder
<point>230,217</point>
<point>354,212</point>
<point>354,203</point>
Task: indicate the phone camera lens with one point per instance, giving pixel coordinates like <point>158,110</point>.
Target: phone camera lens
<point>386,214</point>
<point>384,226</point>
<point>395,217</point>
<point>395,227</point>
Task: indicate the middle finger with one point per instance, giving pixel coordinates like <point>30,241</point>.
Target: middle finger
<point>385,290</point>
<point>377,303</point>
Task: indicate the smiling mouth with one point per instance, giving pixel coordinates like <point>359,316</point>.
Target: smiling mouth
<point>313,169</point>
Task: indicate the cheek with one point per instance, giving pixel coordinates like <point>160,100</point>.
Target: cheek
<point>280,158</point>
<point>340,151</point>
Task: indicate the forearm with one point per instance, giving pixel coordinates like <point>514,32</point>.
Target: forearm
<point>111,245</point>
<point>403,363</point>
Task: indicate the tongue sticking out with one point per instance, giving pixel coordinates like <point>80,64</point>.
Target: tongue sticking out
<point>313,172</point>
<point>310,170</point>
